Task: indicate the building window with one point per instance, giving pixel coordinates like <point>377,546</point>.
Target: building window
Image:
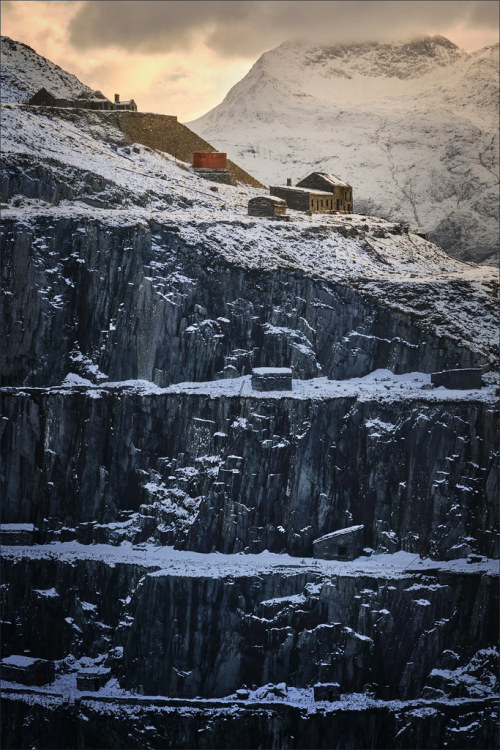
<point>338,204</point>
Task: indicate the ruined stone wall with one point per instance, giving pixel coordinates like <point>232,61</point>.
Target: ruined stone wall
<point>298,200</point>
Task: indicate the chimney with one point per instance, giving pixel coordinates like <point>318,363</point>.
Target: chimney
<point>117,98</point>
<point>288,181</point>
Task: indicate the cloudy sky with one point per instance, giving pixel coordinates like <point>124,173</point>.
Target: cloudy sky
<point>182,56</point>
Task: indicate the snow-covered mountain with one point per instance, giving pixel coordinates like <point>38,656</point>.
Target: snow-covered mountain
<point>23,72</point>
<point>411,125</point>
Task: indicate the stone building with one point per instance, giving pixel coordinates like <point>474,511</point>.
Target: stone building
<point>344,544</point>
<point>92,678</point>
<point>17,533</point>
<point>341,191</point>
<point>26,670</point>
<point>326,691</point>
<point>272,379</point>
<point>128,105</point>
<point>304,199</point>
<point>85,100</point>
<point>266,205</point>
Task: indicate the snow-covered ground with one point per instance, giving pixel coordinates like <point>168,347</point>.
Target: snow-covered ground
<point>114,698</point>
<point>413,127</point>
<point>169,561</point>
<point>137,185</point>
<point>379,385</point>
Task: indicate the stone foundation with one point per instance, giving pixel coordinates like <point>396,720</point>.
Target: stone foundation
<point>214,175</point>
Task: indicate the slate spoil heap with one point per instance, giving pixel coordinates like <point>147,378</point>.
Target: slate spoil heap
<point>160,514</point>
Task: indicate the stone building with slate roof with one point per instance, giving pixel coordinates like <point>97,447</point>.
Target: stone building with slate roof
<point>341,191</point>
<point>98,101</point>
<point>304,199</point>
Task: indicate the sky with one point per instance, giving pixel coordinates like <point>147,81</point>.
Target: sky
<point>182,56</point>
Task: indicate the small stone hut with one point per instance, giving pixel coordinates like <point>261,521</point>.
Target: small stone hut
<point>17,533</point>
<point>92,678</point>
<point>26,670</point>
<point>266,205</point>
<point>341,191</point>
<point>272,379</point>
<point>344,544</point>
<point>326,691</point>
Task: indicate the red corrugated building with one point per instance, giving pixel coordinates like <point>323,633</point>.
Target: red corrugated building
<point>208,160</point>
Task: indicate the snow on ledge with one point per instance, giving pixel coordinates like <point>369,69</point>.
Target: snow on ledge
<point>380,385</point>
<point>167,561</point>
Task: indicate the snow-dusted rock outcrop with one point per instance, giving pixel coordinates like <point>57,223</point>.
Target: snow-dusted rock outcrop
<point>24,72</point>
<point>413,126</point>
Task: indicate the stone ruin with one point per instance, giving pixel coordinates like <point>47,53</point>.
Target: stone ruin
<point>92,678</point>
<point>17,533</point>
<point>272,379</point>
<point>266,205</point>
<point>344,544</point>
<point>85,100</point>
<point>27,670</point>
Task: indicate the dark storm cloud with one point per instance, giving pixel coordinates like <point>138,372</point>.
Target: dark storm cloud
<point>245,27</point>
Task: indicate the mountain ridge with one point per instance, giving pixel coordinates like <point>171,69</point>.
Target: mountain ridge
<point>422,149</point>
<point>20,81</point>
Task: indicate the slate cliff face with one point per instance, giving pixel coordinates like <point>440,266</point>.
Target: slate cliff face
<point>140,302</point>
<point>246,474</point>
<point>190,634</point>
<point>132,439</point>
<point>232,473</point>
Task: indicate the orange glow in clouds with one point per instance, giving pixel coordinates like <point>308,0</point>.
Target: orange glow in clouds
<point>186,83</point>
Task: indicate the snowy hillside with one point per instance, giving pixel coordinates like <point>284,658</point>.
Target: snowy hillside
<point>82,161</point>
<point>412,126</point>
<point>23,72</point>
<point>164,521</point>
